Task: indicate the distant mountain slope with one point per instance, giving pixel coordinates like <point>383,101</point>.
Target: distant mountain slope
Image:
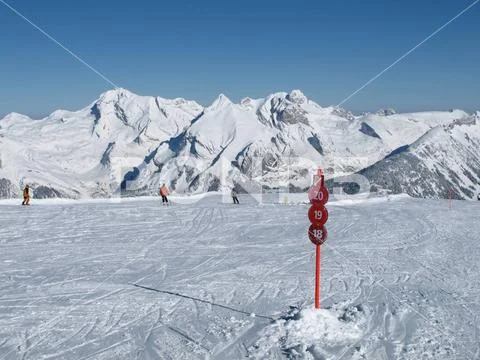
<point>128,143</point>
<point>446,158</point>
<point>85,153</point>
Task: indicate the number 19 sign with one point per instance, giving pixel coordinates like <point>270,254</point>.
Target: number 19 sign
<point>318,216</point>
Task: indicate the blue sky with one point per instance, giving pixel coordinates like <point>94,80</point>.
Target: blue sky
<point>198,49</point>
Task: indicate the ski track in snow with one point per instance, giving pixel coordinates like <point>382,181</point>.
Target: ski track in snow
<point>67,270</point>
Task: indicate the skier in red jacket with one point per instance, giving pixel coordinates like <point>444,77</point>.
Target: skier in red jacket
<point>163,193</point>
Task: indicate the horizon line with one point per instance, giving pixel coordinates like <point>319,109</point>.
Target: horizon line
<point>354,112</point>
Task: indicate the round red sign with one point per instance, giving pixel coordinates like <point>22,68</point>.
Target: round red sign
<point>318,195</point>
<point>317,214</point>
<point>317,234</point>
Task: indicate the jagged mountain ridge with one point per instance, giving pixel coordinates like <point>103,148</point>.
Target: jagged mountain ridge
<point>128,143</point>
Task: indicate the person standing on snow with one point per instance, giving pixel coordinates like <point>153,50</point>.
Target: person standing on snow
<point>235,196</point>
<point>26,196</point>
<point>163,193</point>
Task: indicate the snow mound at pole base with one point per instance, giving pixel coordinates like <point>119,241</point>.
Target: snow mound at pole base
<point>313,333</point>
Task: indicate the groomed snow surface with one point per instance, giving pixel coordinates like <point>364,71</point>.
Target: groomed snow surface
<point>400,280</point>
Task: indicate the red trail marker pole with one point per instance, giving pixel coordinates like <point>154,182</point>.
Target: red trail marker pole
<point>317,278</point>
<point>317,232</point>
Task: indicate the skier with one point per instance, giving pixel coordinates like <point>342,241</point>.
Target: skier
<point>163,193</point>
<point>26,196</point>
<point>234,196</point>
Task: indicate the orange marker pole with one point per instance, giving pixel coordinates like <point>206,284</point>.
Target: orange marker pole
<point>317,278</point>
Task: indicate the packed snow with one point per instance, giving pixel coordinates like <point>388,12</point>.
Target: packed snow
<point>206,279</point>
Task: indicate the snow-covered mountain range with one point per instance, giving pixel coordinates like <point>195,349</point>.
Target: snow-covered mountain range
<point>131,144</point>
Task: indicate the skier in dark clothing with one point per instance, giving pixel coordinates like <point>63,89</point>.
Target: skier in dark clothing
<point>26,196</point>
<point>235,197</point>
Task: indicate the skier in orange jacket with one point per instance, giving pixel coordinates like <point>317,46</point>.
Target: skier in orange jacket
<point>26,196</point>
<point>163,193</point>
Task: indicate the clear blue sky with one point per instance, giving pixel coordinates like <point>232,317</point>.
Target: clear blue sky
<point>197,49</point>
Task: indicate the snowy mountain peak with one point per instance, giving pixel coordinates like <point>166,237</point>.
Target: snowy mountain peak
<point>341,112</point>
<point>116,95</point>
<point>386,112</point>
<point>15,116</point>
<point>297,97</point>
<point>246,101</point>
<point>220,102</point>
<point>178,102</point>
<point>249,103</point>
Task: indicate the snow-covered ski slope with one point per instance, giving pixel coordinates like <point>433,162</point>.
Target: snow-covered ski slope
<point>400,280</point>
